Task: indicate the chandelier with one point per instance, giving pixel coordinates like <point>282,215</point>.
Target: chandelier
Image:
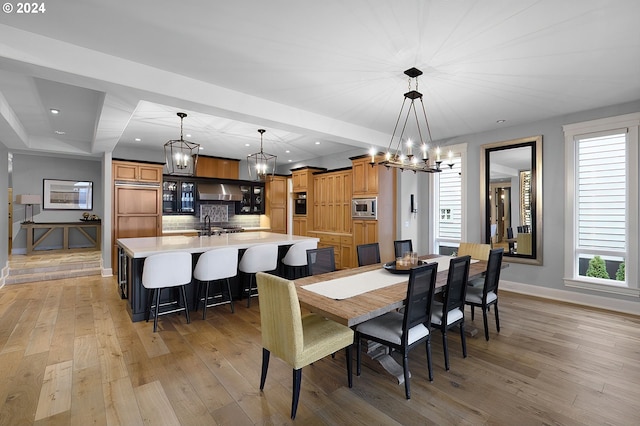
<point>407,154</point>
<point>261,164</point>
<point>181,156</point>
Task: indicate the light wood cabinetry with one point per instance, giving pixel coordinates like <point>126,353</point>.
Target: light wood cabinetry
<point>365,177</point>
<point>214,167</point>
<point>380,182</point>
<point>137,209</point>
<point>342,247</point>
<point>303,183</point>
<point>136,172</point>
<point>300,225</point>
<point>332,201</point>
<point>276,208</point>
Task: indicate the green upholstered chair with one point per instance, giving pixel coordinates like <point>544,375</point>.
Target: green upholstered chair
<point>297,339</point>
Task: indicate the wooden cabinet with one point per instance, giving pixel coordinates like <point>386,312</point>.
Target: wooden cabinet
<point>137,209</point>
<point>300,180</point>
<point>365,232</point>
<point>214,167</point>
<point>342,245</point>
<point>277,204</point>
<point>136,172</point>
<point>300,226</point>
<point>332,201</point>
<point>365,177</point>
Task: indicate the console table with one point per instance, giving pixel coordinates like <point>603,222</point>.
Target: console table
<point>65,226</point>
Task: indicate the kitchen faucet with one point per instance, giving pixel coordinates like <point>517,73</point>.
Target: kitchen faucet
<point>207,224</point>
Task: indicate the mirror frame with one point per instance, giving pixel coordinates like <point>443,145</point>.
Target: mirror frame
<point>535,142</point>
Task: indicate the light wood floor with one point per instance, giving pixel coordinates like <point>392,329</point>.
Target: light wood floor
<point>69,355</point>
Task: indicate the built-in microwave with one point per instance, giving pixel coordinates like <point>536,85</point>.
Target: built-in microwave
<point>364,208</point>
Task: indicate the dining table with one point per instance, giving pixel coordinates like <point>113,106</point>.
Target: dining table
<point>353,296</point>
<point>361,307</point>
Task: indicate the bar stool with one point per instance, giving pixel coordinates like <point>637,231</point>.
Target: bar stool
<point>260,258</point>
<point>166,270</point>
<point>214,265</point>
<point>296,258</point>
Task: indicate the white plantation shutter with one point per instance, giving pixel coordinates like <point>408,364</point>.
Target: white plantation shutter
<point>601,190</point>
<point>449,209</point>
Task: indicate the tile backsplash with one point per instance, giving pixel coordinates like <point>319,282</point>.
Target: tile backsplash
<point>221,213</point>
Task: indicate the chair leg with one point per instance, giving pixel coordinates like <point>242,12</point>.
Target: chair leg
<point>463,338</point>
<point>445,349</point>
<point>230,297</point>
<point>349,366</point>
<point>265,367</point>
<point>150,297</point>
<point>472,312</point>
<point>249,293</point>
<point>297,380</point>
<point>196,302</point>
<point>358,352</point>
<point>157,310</point>
<point>206,299</point>
<point>184,301</point>
<point>429,366</point>
<point>405,368</point>
<point>497,318</point>
<point>486,325</point>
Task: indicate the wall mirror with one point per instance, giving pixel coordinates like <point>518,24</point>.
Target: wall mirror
<point>511,197</point>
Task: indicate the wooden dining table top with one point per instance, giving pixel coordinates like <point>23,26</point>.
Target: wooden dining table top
<point>362,307</point>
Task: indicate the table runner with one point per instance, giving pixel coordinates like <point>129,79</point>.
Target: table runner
<point>346,287</point>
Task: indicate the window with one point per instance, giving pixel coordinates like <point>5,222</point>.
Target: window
<point>447,200</point>
<point>602,237</point>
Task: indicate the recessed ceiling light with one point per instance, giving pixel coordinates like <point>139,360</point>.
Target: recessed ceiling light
<point>290,160</point>
<point>137,139</point>
<point>317,143</point>
<point>188,135</point>
<point>54,111</point>
<point>60,132</point>
<point>247,144</point>
<point>500,121</point>
<point>287,151</point>
<point>200,148</point>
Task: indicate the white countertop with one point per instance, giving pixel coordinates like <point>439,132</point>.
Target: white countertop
<point>143,247</point>
<point>188,231</point>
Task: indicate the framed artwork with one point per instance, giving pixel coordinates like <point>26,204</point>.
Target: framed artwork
<point>67,194</point>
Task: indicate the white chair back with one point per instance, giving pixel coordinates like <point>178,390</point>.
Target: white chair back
<point>169,269</point>
<point>217,264</point>
<point>260,258</point>
<point>297,253</point>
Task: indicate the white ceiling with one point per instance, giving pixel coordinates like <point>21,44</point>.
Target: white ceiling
<point>328,71</point>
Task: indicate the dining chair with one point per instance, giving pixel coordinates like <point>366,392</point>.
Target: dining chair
<point>402,246</point>
<point>321,261</point>
<point>368,254</point>
<point>405,331</point>
<point>215,265</point>
<point>166,270</point>
<point>258,258</point>
<point>298,340</point>
<point>450,312</point>
<point>487,295</point>
<point>512,244</point>
<point>295,260</point>
<point>477,251</point>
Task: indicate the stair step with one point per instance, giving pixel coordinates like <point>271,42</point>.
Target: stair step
<point>51,275</point>
<point>60,267</point>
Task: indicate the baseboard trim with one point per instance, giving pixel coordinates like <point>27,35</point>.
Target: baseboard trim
<point>594,301</point>
<point>107,272</point>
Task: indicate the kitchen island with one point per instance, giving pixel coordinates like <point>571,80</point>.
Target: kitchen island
<point>133,251</point>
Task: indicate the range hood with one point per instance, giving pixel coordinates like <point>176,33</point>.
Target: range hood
<point>219,192</point>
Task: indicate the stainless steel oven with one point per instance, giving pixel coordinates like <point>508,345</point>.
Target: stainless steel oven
<point>364,208</point>
<point>300,201</point>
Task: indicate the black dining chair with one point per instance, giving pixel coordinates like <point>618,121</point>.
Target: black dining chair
<point>368,254</point>
<point>402,246</point>
<point>321,260</point>
<point>487,295</point>
<point>512,245</point>
<point>450,312</point>
<point>405,331</point>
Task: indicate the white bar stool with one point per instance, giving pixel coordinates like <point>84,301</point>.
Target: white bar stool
<point>166,270</point>
<point>296,258</point>
<point>260,258</point>
<point>214,265</point>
